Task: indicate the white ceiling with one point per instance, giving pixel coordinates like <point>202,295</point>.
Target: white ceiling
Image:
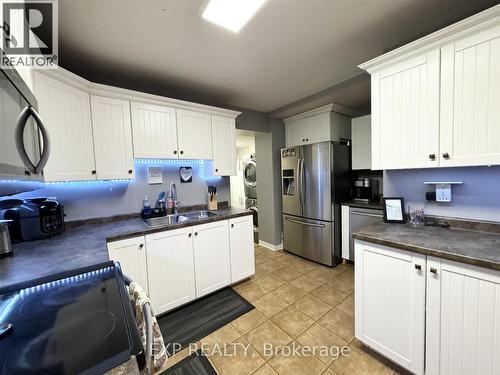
<point>289,50</point>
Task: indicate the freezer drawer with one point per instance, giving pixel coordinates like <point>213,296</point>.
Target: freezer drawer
<point>311,239</point>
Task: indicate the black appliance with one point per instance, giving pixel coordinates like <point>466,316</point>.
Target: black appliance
<point>79,322</point>
<point>365,190</point>
<point>33,219</point>
<point>24,141</point>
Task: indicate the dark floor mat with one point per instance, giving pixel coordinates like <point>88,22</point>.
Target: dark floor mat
<point>195,364</point>
<point>200,318</point>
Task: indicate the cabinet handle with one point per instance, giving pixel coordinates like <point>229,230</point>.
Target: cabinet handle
<point>195,234</point>
<point>94,171</point>
<point>216,170</point>
<point>130,171</point>
<point>303,139</point>
<point>189,235</point>
<point>175,152</point>
<point>232,225</point>
<point>307,139</point>
<point>182,152</point>
<point>141,246</point>
<point>434,270</point>
<point>446,155</point>
<point>418,267</point>
<point>432,156</point>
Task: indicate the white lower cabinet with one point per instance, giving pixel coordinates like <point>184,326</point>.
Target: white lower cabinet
<point>131,254</point>
<point>242,250</point>
<point>402,297</point>
<point>170,268</point>
<point>212,261</point>
<point>390,303</point>
<point>463,319</point>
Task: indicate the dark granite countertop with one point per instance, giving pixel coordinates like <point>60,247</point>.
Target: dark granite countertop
<point>463,245</point>
<point>374,205</point>
<point>83,245</point>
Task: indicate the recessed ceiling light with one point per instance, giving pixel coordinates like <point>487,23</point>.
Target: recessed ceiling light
<point>231,14</point>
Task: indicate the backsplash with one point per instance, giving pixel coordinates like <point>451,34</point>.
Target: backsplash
<point>477,198</point>
<point>85,200</point>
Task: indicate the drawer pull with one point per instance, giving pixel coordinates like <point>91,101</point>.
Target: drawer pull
<point>434,270</point>
<point>432,156</point>
<point>446,155</point>
<point>418,267</point>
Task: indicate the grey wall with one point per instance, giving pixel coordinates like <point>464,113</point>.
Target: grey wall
<point>478,197</point>
<point>83,200</point>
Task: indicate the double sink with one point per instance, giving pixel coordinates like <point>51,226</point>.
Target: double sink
<point>179,218</point>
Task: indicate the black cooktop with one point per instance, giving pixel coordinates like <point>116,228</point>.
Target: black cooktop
<point>78,323</point>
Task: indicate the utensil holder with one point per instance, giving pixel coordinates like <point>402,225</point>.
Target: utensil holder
<point>211,204</point>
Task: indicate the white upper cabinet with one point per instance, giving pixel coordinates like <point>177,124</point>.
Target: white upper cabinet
<point>405,113</point>
<point>154,131</point>
<point>327,123</point>
<point>471,100</point>
<point>361,142</point>
<point>435,101</point>
<point>65,111</point>
<point>112,138</point>
<point>224,146</point>
<point>194,132</point>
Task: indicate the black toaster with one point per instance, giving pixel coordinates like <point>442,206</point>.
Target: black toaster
<point>33,219</point>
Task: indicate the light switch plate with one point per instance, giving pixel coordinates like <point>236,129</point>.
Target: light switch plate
<point>155,175</point>
<point>443,193</point>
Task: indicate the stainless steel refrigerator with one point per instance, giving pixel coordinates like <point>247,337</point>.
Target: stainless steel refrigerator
<point>315,179</point>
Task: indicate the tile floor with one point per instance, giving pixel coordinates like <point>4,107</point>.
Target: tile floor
<point>297,304</point>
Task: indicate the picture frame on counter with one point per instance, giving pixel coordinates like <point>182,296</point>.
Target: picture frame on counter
<point>393,210</point>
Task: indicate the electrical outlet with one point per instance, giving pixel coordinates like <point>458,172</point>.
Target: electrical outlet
<point>443,193</point>
<point>155,175</point>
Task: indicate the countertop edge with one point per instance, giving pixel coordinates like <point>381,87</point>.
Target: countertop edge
<point>427,251</point>
<point>164,228</point>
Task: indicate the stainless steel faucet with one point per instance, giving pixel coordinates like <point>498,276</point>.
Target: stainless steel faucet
<point>173,194</point>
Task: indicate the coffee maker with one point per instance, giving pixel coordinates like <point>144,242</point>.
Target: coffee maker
<point>365,190</point>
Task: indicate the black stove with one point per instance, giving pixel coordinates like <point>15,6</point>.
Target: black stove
<point>77,323</point>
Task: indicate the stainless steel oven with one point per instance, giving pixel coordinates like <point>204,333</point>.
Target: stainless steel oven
<point>24,141</point>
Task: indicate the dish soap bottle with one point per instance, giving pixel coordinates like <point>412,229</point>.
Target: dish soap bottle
<point>146,207</point>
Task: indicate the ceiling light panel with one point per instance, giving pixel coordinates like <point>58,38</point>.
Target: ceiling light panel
<point>231,14</point>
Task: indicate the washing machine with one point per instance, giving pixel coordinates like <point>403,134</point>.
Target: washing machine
<point>251,204</point>
<point>250,178</point>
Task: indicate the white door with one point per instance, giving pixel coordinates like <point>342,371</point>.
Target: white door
<point>463,319</point>
<point>154,131</point>
<point>112,138</point>
<point>405,114</point>
<point>242,250</point>
<point>65,111</point>
<point>224,146</point>
<point>361,142</point>
<point>170,269</point>
<point>195,135</point>
<point>211,257</point>
<point>131,254</point>
<point>471,100</point>
<point>390,303</point>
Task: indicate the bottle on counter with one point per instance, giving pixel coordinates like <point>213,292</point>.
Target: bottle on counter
<point>146,207</point>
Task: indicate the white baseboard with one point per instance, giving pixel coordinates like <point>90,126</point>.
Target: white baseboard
<point>269,246</point>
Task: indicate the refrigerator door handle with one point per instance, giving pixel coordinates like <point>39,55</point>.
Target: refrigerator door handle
<point>299,190</point>
<point>305,223</point>
<point>302,183</point>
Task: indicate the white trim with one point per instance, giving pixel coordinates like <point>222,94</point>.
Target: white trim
<point>333,107</point>
<point>92,88</point>
<point>473,24</point>
<point>269,246</point>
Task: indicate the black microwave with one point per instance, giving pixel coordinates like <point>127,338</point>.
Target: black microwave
<point>24,141</point>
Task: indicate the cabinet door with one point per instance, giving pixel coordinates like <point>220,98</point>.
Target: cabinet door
<point>211,257</point>
<point>361,142</point>
<point>195,135</point>
<point>112,138</point>
<point>224,146</point>
<point>405,114</point>
<point>170,269</point>
<point>65,111</point>
<point>463,319</point>
<point>131,254</point>
<point>294,132</point>
<point>242,250</point>
<point>470,100</point>
<point>390,303</point>
<point>154,131</point>
<point>317,128</point>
